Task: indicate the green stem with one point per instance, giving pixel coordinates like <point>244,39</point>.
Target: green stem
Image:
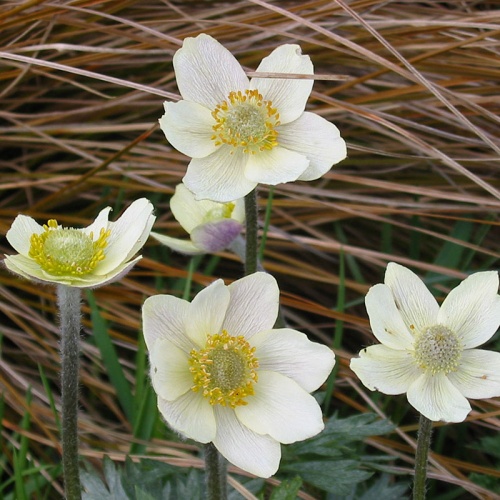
<point>215,474</point>
<point>69,299</point>
<point>421,457</point>
<point>251,258</point>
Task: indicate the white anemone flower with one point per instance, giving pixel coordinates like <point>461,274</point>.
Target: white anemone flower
<point>428,351</point>
<point>242,132</point>
<point>83,258</point>
<point>212,226</point>
<point>224,375</point>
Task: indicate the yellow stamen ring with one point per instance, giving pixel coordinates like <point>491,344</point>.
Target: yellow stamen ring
<point>246,121</point>
<point>225,370</point>
<point>67,251</point>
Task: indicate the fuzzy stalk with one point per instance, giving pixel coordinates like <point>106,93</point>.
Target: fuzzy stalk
<point>69,301</point>
<point>421,457</point>
<point>251,219</point>
<point>215,474</point>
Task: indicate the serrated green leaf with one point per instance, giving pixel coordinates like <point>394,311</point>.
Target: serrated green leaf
<point>287,490</point>
<point>333,476</point>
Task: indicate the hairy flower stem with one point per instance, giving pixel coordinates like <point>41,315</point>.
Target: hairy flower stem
<point>69,299</point>
<point>215,474</point>
<point>251,253</point>
<point>421,457</point>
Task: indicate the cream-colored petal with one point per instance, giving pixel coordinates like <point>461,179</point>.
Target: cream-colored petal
<point>253,305</point>
<point>288,95</point>
<point>207,72</point>
<point>100,223</point>
<point>187,210</point>
<point>281,409</point>
<point>385,318</point>
<point>291,353</point>
<point>220,176</point>
<point>163,317</point>
<point>207,312</point>
<point>19,234</point>
<point>170,373</point>
<point>128,235</point>
<point>436,398</point>
<point>259,455</point>
<point>182,246</point>
<point>191,415</point>
<point>472,309</point>
<point>417,306</point>
<point>239,210</point>
<point>25,267</point>
<point>387,370</point>
<point>188,127</point>
<point>478,375</point>
<point>275,166</point>
<point>315,138</point>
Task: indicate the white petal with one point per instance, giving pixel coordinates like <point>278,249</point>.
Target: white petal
<point>415,302</point>
<point>436,398</point>
<point>182,246</point>
<point>315,138</point>
<point>259,455</point>
<point>291,353</point>
<point>25,267</point>
<point>216,236</point>
<point>220,176</point>
<point>281,409</point>
<point>207,312</point>
<point>188,211</point>
<point>20,232</point>
<point>385,318</point>
<point>387,370</point>
<point>170,373</point>
<point>206,71</point>
<point>128,235</point>
<point>472,309</point>
<point>253,306</point>
<point>29,269</point>
<point>191,415</point>
<point>275,166</point>
<point>288,95</point>
<point>239,210</point>
<point>188,127</point>
<point>478,375</point>
<point>163,317</point>
<point>100,222</point>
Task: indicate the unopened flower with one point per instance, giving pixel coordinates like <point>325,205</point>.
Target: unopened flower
<point>242,132</point>
<point>428,351</point>
<point>212,226</point>
<point>83,258</point>
<point>224,375</point>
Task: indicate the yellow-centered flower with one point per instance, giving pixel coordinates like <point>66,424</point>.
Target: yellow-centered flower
<point>242,132</point>
<point>224,375</point>
<point>428,351</point>
<point>88,257</point>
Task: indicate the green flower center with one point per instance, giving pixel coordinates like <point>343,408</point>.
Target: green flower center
<point>67,251</point>
<point>438,349</point>
<point>225,371</point>
<point>219,211</point>
<point>247,122</point>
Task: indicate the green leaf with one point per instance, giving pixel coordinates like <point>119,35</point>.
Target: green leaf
<point>287,490</point>
<point>334,476</point>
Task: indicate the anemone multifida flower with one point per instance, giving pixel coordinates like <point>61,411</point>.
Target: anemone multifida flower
<point>224,375</point>
<point>212,226</point>
<point>242,132</point>
<point>429,351</point>
<point>85,257</point>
